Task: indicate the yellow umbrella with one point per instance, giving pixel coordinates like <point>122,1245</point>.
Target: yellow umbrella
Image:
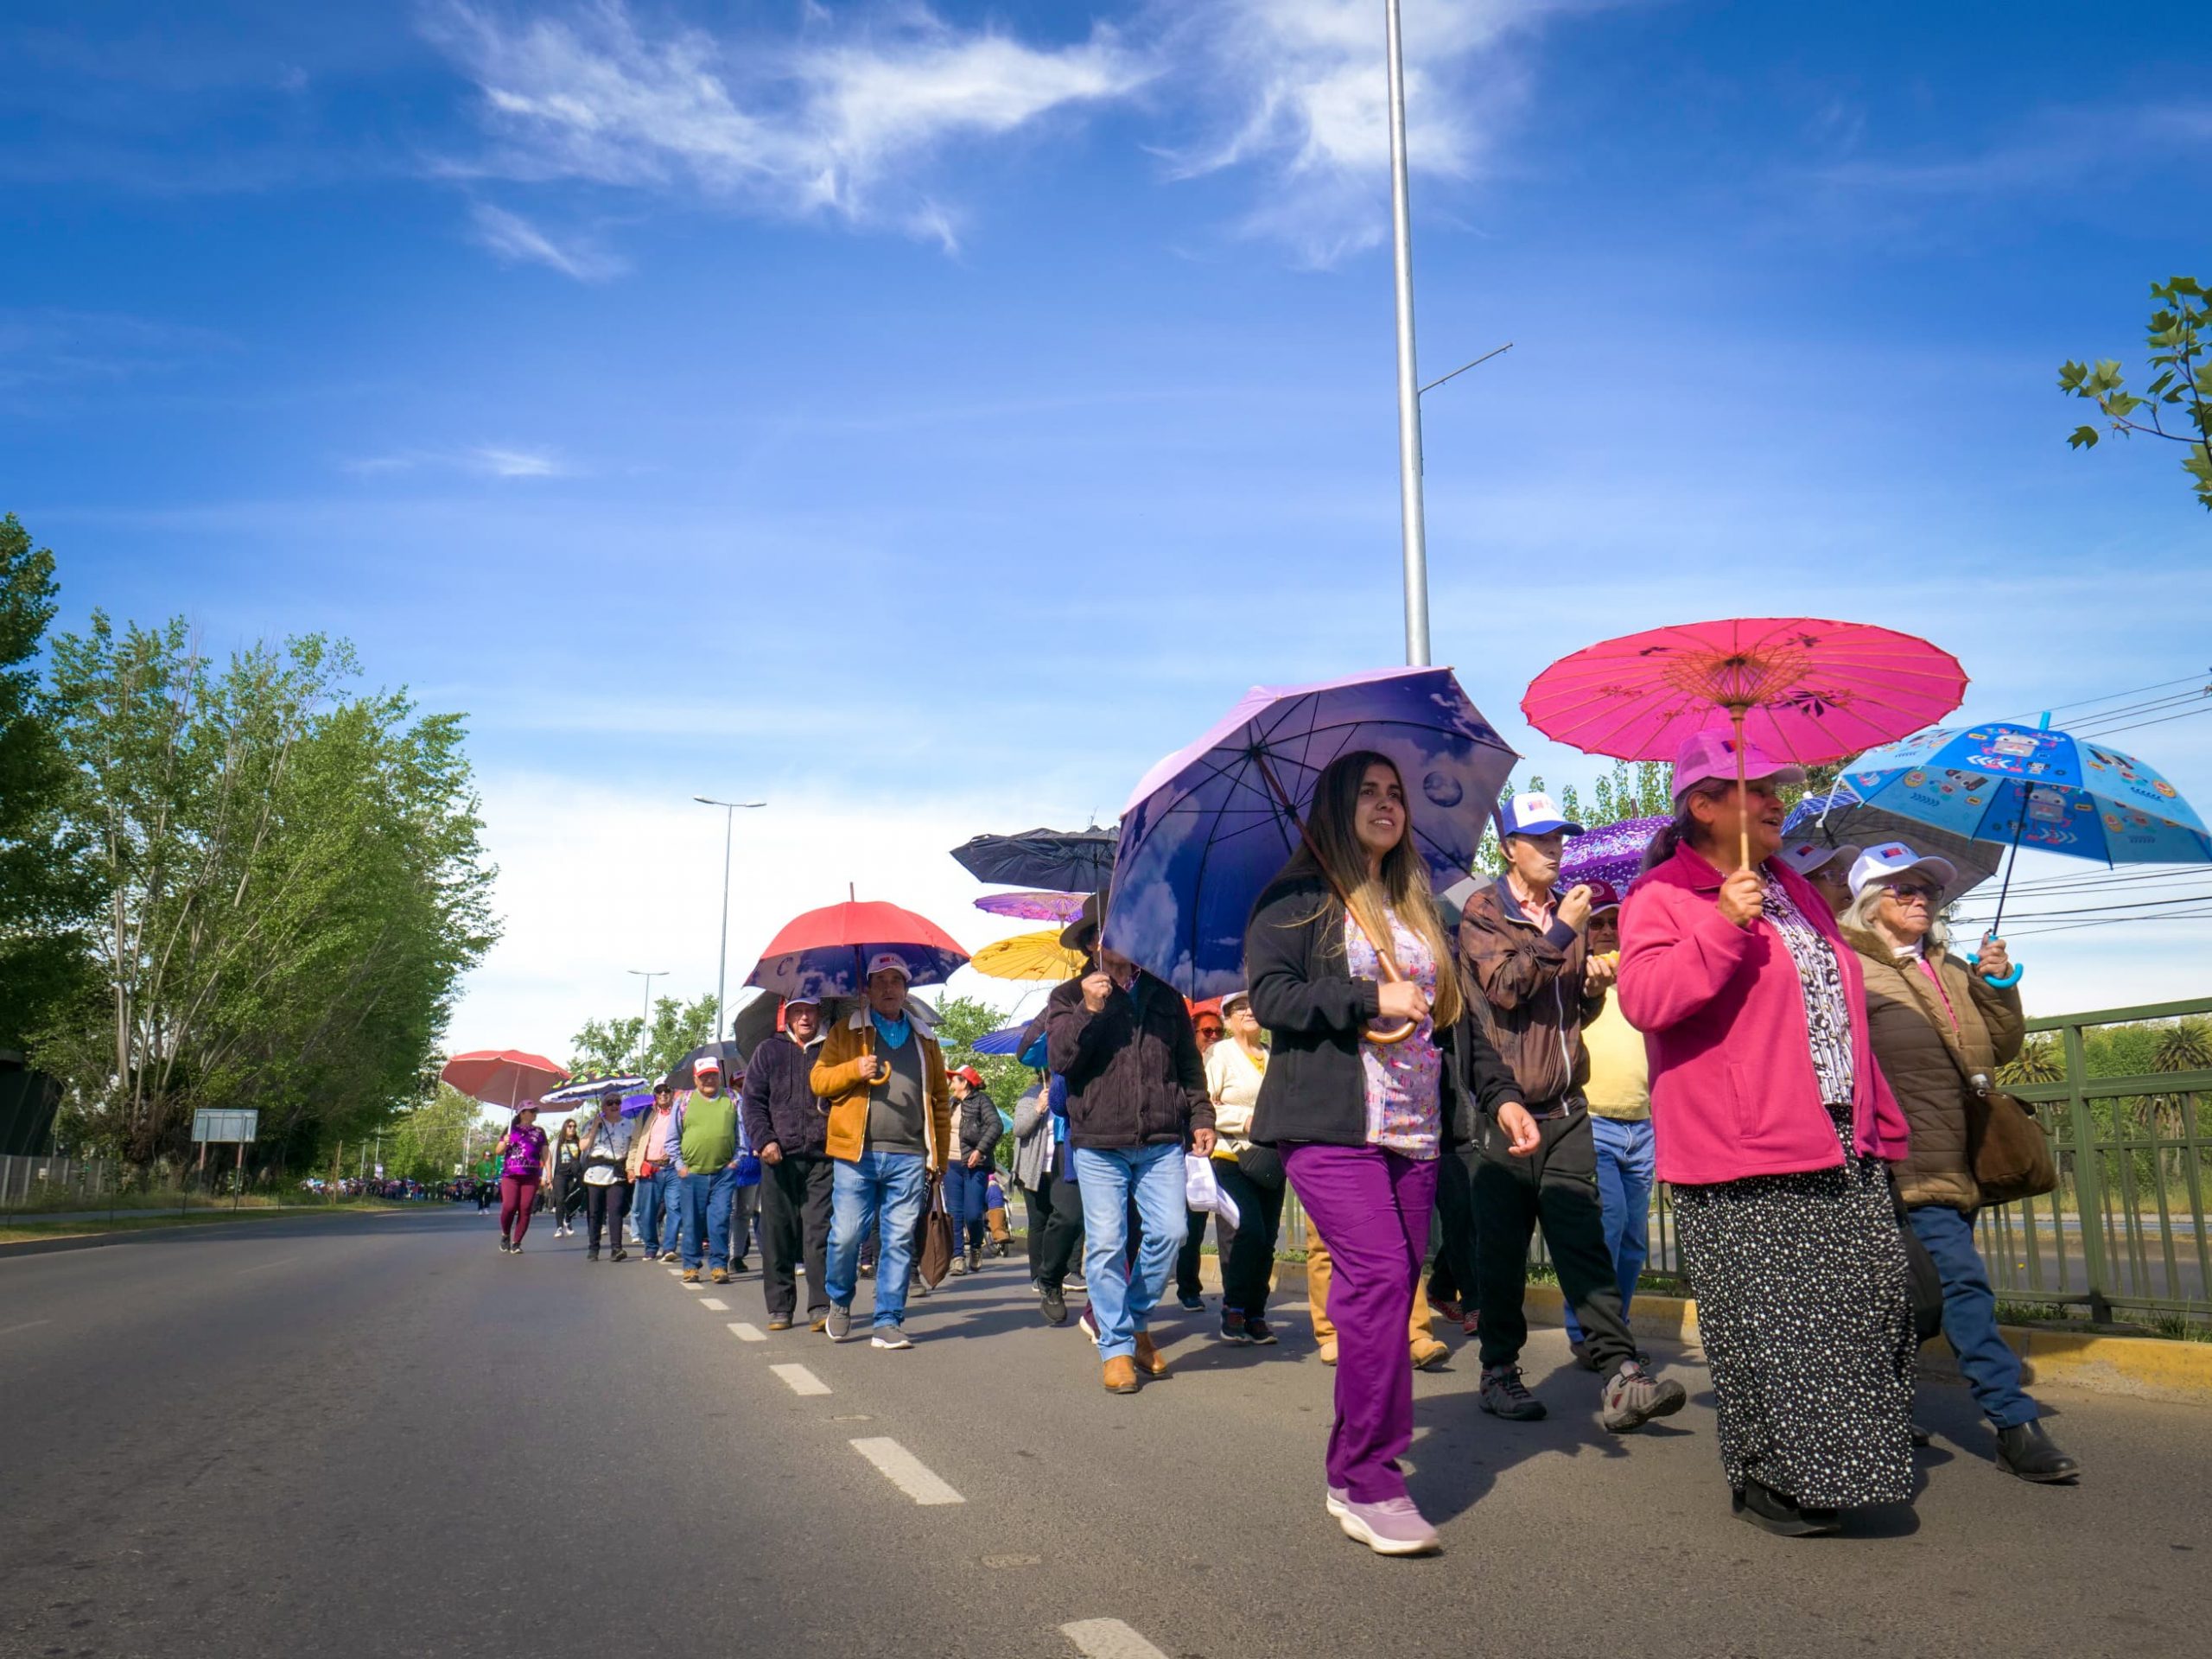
<point>1028,956</point>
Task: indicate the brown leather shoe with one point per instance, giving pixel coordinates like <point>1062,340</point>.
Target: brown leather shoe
<point>1149,1360</point>
<point>1121,1376</point>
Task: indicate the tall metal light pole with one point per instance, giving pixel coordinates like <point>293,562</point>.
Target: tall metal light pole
<point>1414,529</point>
<point>730,810</point>
<point>658,973</point>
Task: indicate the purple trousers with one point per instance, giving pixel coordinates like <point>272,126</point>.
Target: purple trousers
<point>1372,1209</point>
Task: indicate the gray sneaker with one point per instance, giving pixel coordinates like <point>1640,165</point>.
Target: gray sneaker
<point>1632,1397</point>
<point>1504,1395</point>
<point>840,1324</point>
<point>892,1336</point>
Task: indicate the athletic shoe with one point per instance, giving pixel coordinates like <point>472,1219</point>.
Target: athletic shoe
<point>960,1269</point>
<point>503,1245</point>
<point>592,1255</point>
<point>1192,1302</point>
<point>1504,1395</point>
<point>1258,1329</point>
<point>1052,1304</point>
<point>1446,1307</point>
<point>1090,1325</point>
<point>1632,1397</point>
<point>838,1322</point>
<point>781,1322</point>
<point>1233,1327</point>
<point>1393,1527</point>
<point>819,1321</point>
<point>621,1254</point>
<point>1337,1501</point>
<point>1075,1278</point>
<point>892,1336</point>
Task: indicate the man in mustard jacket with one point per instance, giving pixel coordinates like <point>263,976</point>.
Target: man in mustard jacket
<point>890,1125</point>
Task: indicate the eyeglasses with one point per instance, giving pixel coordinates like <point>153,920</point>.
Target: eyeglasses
<point>1927,895</point>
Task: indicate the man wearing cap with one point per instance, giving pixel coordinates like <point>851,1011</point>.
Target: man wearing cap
<point>1527,952</point>
<point>889,1130</point>
<point>968,1178</point>
<point>1618,1090</point>
<point>707,1142</point>
<point>1828,868</point>
<point>653,1174</point>
<point>786,1121</point>
<point>1136,1092</point>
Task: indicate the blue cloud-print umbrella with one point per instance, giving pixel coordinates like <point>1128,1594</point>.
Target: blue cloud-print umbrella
<point>1211,824</point>
<point>2030,787</point>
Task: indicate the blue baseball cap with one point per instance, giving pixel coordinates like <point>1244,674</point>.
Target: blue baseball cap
<point>1532,812</point>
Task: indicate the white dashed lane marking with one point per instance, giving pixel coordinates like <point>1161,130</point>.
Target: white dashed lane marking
<point>713,1304</point>
<point>799,1380</point>
<point>906,1472</point>
<point>27,1324</point>
<point>1109,1638</point>
<point>745,1332</point>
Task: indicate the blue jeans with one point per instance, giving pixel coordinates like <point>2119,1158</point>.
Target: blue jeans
<point>968,1197</point>
<point>1991,1369</point>
<point>888,1187</point>
<point>1122,1301</point>
<point>656,1203</point>
<point>706,1194</point>
<point>1624,1175</point>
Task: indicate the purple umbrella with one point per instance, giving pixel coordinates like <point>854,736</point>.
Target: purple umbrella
<point>1062,907</point>
<point>1211,824</point>
<point>1612,852</point>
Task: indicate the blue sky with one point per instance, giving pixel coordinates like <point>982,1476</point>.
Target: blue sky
<point>927,417</point>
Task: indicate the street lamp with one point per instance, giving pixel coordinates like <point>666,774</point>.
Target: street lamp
<point>639,973</point>
<point>730,810</point>
<point>1414,531</point>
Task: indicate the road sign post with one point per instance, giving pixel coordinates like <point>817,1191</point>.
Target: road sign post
<point>213,1126</point>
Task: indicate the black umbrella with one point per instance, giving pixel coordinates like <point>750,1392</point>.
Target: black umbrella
<point>680,1075</point>
<point>1064,861</point>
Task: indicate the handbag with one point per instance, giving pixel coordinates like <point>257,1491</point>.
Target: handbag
<point>936,1237</point>
<point>2007,1146</point>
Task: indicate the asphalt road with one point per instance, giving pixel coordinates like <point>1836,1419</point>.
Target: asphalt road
<point>375,1434</point>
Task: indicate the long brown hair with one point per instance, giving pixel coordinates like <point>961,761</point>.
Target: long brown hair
<point>1330,848</point>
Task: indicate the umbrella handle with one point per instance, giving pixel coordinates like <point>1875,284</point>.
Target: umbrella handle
<point>1391,972</point>
<point>1743,800</point>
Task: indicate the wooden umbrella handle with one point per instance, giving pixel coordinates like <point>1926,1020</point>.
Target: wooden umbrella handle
<point>1390,971</point>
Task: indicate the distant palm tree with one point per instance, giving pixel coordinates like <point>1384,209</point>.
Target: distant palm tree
<point>2040,1061</point>
<point>2185,1045</point>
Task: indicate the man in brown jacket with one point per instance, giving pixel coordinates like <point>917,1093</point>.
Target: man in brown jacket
<point>1536,987</point>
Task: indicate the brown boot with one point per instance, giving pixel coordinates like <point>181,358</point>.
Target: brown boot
<point>1121,1376</point>
<point>1148,1358</point>
<point>720,1276</point>
<point>691,1276</point>
<point>1428,1353</point>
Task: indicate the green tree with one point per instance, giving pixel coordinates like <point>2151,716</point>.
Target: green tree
<point>46,891</point>
<point>424,1144</point>
<point>292,885</point>
<point>961,1020</point>
<point>2180,338</point>
<point>605,1047</point>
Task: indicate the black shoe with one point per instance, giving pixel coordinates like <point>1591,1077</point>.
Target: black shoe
<point>1769,1511</point>
<point>2025,1450</point>
<point>1052,1304</point>
<point>592,1255</point>
<point>621,1254</point>
<point>504,1245</point>
<point>1258,1330</point>
<point>1921,1436</point>
<point>739,1265</point>
<point>1191,1302</point>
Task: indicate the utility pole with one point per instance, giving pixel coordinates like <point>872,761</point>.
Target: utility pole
<point>1413,526</point>
<point>730,810</point>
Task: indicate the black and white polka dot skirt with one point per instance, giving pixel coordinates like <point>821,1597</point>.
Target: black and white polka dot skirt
<point>1806,1318</point>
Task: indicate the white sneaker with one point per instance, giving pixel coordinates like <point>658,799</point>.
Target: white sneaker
<point>892,1336</point>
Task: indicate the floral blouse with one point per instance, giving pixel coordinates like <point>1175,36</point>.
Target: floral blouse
<point>1404,1080</point>
<point>1827,1010</point>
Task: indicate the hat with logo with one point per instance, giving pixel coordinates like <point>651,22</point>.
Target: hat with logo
<point>889,962</point>
<point>1893,860</point>
<point>1806,856</point>
<point>1532,812</point>
<point>1708,754</point>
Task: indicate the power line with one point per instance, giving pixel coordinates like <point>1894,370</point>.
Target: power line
<point>2110,697</point>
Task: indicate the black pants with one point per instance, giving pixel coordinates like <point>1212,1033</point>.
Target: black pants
<point>1186,1258</point>
<point>604,1206</point>
<point>1557,1188</point>
<point>1452,1275</point>
<point>1063,1233</point>
<point>795,1226</point>
<point>1248,1261</point>
<point>567,1193</point>
<point>1037,1202</point>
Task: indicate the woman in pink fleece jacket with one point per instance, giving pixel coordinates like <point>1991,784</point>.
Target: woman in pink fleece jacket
<point>1776,1131</point>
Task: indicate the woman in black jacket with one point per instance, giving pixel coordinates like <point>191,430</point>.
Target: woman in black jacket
<point>1345,936</point>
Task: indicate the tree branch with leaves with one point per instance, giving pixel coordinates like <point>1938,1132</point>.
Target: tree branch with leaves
<point>2180,391</point>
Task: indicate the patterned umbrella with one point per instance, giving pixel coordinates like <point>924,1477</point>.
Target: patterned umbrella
<point>1612,852</point>
<point>1061,907</point>
<point>590,1088</point>
<point>1794,687</point>
<point>825,952</point>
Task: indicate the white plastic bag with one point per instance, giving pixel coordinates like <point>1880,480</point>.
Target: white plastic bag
<point>1202,1193</point>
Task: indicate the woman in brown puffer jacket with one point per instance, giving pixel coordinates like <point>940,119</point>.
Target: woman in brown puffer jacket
<point>1936,1022</point>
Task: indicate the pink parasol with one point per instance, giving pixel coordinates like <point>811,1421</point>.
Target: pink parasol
<point>501,1077</point>
<point>1793,687</point>
<point>1061,907</point>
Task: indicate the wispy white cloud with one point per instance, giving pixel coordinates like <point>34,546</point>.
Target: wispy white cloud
<point>514,238</point>
<point>2057,149</point>
<point>1296,90</point>
<point>485,461</point>
<point>845,119</point>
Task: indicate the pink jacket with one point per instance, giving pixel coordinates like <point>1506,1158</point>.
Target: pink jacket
<point>1723,1018</point>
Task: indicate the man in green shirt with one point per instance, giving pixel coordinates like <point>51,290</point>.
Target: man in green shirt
<point>708,1139</point>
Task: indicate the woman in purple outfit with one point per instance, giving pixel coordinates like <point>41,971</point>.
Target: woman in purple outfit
<point>524,1147</point>
<point>1345,935</point>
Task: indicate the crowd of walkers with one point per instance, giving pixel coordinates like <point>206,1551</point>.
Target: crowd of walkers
<point>1786,1041</point>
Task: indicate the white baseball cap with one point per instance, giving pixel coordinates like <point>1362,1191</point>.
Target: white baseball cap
<point>1532,812</point>
<point>889,962</point>
<point>1806,856</point>
<point>1893,859</point>
<point>706,1063</point>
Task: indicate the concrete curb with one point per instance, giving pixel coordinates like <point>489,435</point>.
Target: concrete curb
<point>94,1239</point>
<point>2145,1367</point>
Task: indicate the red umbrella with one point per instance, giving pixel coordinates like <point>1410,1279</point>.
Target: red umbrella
<point>825,952</point>
<point>501,1077</point>
<point>1799,687</point>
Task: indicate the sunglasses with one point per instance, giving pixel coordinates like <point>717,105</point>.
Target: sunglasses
<point>1917,890</point>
